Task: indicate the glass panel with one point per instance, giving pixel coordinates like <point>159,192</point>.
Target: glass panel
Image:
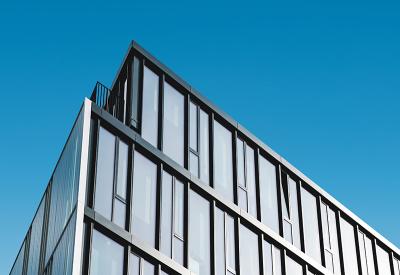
<point>105,173</point>
<point>135,91</point>
<point>251,181</point>
<point>230,243</point>
<point>223,177</point>
<point>194,164</point>
<point>134,264</point>
<point>199,235</point>
<point>240,163</point>
<point>272,259</point>
<point>204,147</point>
<point>179,208</point>
<point>173,124</point>
<point>366,254</point>
<point>119,213</point>
<point>242,198</point>
<point>310,223</point>
<point>268,194</point>
<point>122,175</point>
<point>349,248</point>
<point>219,238</point>
<point>148,268</point>
<point>396,266</point>
<point>144,198</point>
<point>107,256</point>
<point>288,231</point>
<point>249,258</point>
<point>383,260</point>
<point>292,267</point>
<point>150,106</point>
<point>178,250</point>
<point>166,214</point>
<point>294,212</point>
<point>193,127</point>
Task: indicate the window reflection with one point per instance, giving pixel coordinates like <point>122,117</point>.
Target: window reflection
<point>272,259</point>
<point>139,266</point>
<point>366,254</point>
<point>225,260</point>
<point>349,248</point>
<point>383,260</point>
<point>292,267</point>
<point>249,257</point>
<point>150,106</point>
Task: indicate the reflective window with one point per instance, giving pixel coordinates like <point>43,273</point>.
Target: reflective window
<point>290,211</point>
<point>108,203</point>
<point>246,177</point>
<point>199,235</point>
<point>292,267</point>
<point>272,259</point>
<point>139,266</point>
<point>150,106</point>
<point>310,223</point>
<point>173,133</point>
<point>396,266</point>
<point>107,256</point>
<point>330,238</point>
<point>383,260</point>
<point>268,194</point>
<point>249,257</point>
<point>349,248</point>
<point>198,143</point>
<point>225,261</point>
<point>223,172</point>
<point>366,254</point>
<point>144,198</point>
<point>135,70</point>
<point>172,215</point>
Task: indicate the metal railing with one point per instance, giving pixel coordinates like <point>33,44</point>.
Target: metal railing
<point>110,100</point>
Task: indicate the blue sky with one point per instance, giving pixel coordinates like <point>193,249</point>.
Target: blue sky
<point>317,81</point>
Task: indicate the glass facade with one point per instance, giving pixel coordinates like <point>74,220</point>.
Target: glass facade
<point>169,191</point>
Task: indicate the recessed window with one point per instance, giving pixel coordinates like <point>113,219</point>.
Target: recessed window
<point>290,211</point>
<point>349,248</point>
<point>223,172</point>
<point>272,259</point>
<point>225,259</point>
<point>144,198</point>
<point>246,177</point>
<point>310,224</point>
<point>172,215</point>
<point>111,177</point>
<point>199,235</point>
<point>198,143</point>
<point>268,194</point>
<point>330,238</point>
<point>249,257</point>
<point>107,256</point>
<point>366,254</point>
<point>173,124</point>
<point>150,106</point>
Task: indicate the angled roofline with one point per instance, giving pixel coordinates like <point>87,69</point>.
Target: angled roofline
<point>134,46</point>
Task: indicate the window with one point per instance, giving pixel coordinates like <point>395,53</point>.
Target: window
<point>366,254</point>
<point>268,194</point>
<point>349,248</point>
<point>144,198</point>
<point>249,258</point>
<point>225,260</point>
<point>139,266</point>
<point>223,172</point>
<point>272,259</point>
<point>199,235</point>
<point>310,224</point>
<point>110,195</point>
<point>135,71</point>
<point>172,215</point>
<point>173,124</point>
<point>396,266</point>
<point>293,267</point>
<point>330,238</point>
<point>383,260</point>
<point>107,256</point>
<point>198,143</point>
<point>290,211</point>
<point>246,177</point>
<point>150,106</point>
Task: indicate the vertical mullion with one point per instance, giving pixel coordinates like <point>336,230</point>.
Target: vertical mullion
<point>116,153</point>
<point>320,231</point>
<point>158,205</point>
<point>140,96</point>
<point>198,139</point>
<point>358,252</point>
<point>235,167</point>
<point>300,211</point>
<point>225,244</point>
<point>278,189</point>
<point>211,149</point>
<point>212,209</point>
<point>173,217</point>
<point>245,174</point>
<point>130,188</point>
<point>237,246</point>
<point>186,225</point>
<point>257,182</point>
<point>160,112</point>
<point>375,256</point>
<point>339,236</point>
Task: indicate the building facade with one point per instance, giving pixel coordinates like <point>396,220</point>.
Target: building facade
<point>154,179</point>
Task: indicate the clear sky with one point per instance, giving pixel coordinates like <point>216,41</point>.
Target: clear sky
<point>319,82</point>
